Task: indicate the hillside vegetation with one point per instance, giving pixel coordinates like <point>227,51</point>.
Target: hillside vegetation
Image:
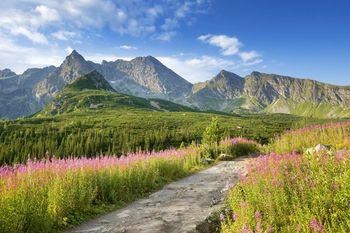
<point>89,119</point>
<point>50,195</point>
<point>306,191</point>
<point>146,77</point>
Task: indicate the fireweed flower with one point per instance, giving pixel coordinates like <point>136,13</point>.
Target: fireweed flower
<point>316,226</point>
<point>234,216</point>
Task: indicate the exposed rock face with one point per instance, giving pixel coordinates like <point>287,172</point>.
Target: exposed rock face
<point>272,93</point>
<point>25,94</point>
<point>6,73</point>
<point>144,76</point>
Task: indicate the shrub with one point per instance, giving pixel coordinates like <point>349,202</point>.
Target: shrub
<point>235,147</point>
<point>211,139</point>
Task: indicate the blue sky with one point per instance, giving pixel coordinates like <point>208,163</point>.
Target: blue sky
<point>196,38</point>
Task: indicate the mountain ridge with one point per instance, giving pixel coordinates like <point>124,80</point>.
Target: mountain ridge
<point>146,77</point>
<point>91,92</point>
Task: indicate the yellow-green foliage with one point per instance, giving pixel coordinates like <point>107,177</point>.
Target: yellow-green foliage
<point>292,193</point>
<point>336,135</point>
<point>44,196</point>
<point>300,191</point>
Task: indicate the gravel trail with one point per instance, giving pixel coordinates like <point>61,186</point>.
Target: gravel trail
<point>178,207</point>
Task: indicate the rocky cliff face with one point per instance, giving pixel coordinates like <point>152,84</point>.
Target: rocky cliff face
<point>6,73</point>
<point>25,94</point>
<point>260,92</point>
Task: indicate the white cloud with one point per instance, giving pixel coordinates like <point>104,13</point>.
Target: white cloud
<point>36,37</point>
<point>170,24</point>
<point>183,10</point>
<point>197,69</point>
<point>39,18</point>
<point>231,46</point>
<point>249,56</point>
<point>228,45</point>
<point>128,47</point>
<point>166,36</point>
<point>17,22</point>
<point>47,14</point>
<point>19,58</point>
<point>64,35</point>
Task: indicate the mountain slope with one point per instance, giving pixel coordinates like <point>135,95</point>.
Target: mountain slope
<point>146,77</point>
<point>259,92</point>
<point>91,92</point>
<point>6,73</point>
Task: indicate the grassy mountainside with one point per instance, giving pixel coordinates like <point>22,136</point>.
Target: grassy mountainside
<point>91,92</point>
<point>89,118</point>
<point>260,92</point>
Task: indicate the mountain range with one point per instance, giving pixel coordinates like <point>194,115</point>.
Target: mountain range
<point>146,77</point>
<point>92,92</point>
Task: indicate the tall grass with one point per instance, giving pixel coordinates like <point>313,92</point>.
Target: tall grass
<point>49,195</point>
<point>335,135</point>
<point>292,193</point>
<point>296,190</point>
<point>44,196</point>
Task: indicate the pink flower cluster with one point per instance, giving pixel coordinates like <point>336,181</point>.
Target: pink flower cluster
<point>320,127</point>
<point>234,141</point>
<point>44,170</point>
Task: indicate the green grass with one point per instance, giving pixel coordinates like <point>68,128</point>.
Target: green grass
<point>115,131</point>
<point>48,196</point>
<point>86,120</point>
<point>51,195</point>
<point>307,191</point>
<point>307,109</point>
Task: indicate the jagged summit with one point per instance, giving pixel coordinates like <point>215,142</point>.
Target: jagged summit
<point>6,73</point>
<point>147,77</point>
<point>90,81</point>
<point>74,66</point>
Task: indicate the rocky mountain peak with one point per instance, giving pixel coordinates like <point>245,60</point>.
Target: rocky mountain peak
<point>6,73</point>
<point>228,76</point>
<point>73,57</point>
<point>148,60</point>
<point>74,66</point>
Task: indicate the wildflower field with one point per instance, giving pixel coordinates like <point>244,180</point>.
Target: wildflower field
<point>50,195</point>
<point>303,188</point>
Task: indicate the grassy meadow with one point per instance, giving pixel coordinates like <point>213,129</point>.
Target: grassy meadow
<point>97,132</point>
<point>301,188</point>
<point>50,195</point>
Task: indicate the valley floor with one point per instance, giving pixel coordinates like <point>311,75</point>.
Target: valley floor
<point>178,207</point>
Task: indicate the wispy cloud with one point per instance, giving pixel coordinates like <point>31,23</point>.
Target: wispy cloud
<point>228,45</point>
<point>166,36</point>
<point>231,46</point>
<point>127,47</point>
<point>36,19</point>
<point>64,35</point>
<point>249,56</point>
<point>197,69</point>
<point>183,11</point>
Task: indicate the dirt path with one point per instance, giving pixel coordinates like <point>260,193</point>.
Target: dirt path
<point>178,207</point>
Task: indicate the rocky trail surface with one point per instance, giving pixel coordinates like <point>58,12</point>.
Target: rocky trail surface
<point>178,207</point>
